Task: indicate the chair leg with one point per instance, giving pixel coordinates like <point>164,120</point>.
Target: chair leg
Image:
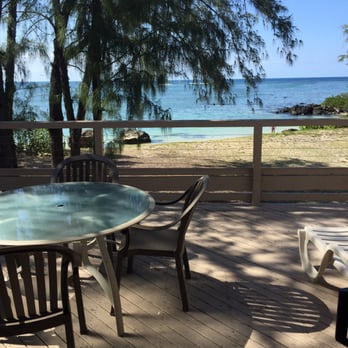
<point>186,264</point>
<point>182,286</point>
<point>70,342</point>
<point>130,264</point>
<point>79,301</point>
<point>118,268</point>
<point>111,245</point>
<point>342,317</point>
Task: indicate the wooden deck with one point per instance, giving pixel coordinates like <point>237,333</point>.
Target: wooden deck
<point>248,289</point>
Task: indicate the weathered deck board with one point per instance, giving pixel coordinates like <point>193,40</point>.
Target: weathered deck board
<point>247,288</point>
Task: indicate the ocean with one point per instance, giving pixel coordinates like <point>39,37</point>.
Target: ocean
<point>275,94</point>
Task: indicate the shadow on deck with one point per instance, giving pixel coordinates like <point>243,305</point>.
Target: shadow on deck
<point>247,289</point>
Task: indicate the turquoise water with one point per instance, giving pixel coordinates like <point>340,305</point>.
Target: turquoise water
<point>275,94</point>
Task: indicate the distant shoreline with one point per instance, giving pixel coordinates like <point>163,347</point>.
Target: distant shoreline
<point>310,148</point>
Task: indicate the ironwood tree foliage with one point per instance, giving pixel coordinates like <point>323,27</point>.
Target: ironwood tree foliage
<point>126,51</point>
<point>15,49</point>
<point>344,57</point>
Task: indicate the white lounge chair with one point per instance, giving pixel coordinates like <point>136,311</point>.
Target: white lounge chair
<point>332,242</point>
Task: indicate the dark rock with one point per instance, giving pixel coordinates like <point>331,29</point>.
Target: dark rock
<point>289,130</point>
<point>307,109</point>
<point>317,110</point>
<point>134,136</point>
<point>86,140</point>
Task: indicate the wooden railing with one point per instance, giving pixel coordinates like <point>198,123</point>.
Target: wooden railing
<point>253,184</point>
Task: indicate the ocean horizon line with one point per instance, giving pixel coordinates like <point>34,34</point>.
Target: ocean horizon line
<point>233,79</point>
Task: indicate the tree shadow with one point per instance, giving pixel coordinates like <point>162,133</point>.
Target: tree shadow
<point>294,162</point>
<point>277,163</point>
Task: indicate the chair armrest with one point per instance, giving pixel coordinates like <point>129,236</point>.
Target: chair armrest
<point>156,227</point>
<point>176,200</point>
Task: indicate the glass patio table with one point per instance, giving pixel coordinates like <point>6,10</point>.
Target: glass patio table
<point>74,212</point>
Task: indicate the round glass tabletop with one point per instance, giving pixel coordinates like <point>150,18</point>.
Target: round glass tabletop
<point>64,212</point>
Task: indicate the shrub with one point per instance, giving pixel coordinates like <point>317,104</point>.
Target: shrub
<point>33,141</point>
<point>339,102</point>
<point>317,127</point>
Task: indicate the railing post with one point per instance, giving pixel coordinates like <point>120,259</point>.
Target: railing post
<point>257,164</point>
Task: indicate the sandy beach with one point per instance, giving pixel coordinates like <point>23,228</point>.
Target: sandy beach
<point>311,148</point>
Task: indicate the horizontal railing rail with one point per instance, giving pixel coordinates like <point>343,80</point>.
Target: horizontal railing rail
<point>259,184</point>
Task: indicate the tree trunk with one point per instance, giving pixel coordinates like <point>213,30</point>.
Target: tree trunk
<point>75,134</point>
<point>8,157</point>
<point>56,113</point>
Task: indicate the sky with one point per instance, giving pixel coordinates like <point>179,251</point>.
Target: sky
<point>320,27</point>
<point>319,24</point>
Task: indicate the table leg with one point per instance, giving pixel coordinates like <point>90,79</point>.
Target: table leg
<point>109,285</point>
